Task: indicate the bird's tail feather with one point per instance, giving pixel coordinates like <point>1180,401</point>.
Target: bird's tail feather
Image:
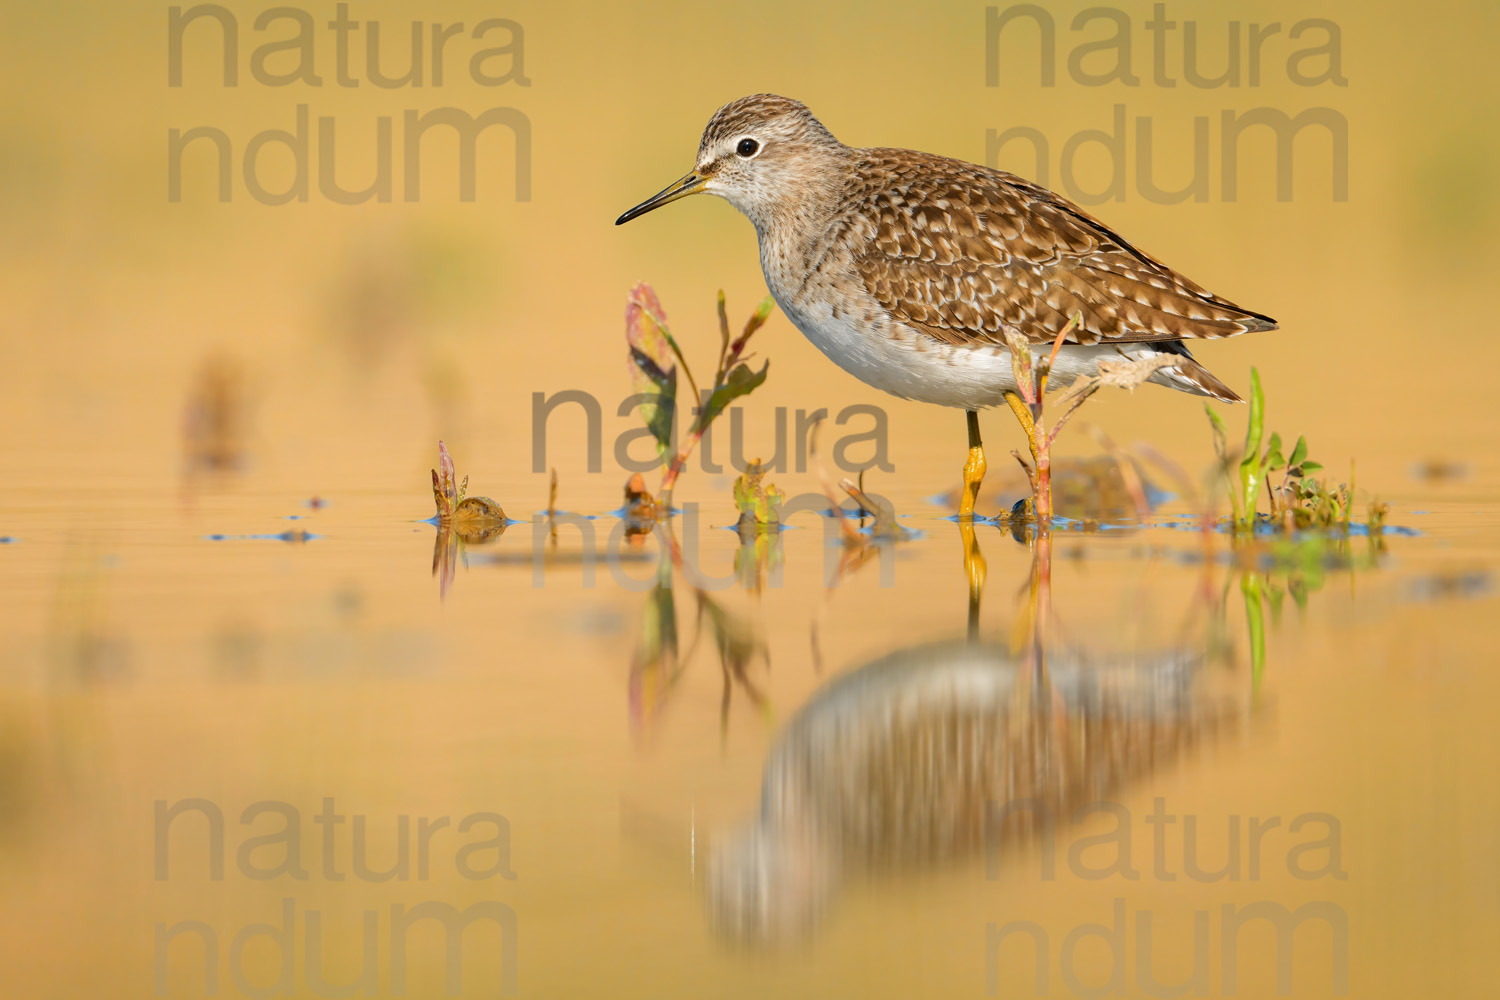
<point>1189,376</point>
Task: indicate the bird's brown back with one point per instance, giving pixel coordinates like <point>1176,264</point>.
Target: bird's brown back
<point>956,250</point>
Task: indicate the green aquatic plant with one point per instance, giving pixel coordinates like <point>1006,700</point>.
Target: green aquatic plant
<point>759,502</point>
<point>654,357</point>
<point>759,526</point>
<point>1253,464</point>
<point>1301,499</point>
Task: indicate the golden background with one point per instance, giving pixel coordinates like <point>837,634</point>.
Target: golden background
<point>355,336</point>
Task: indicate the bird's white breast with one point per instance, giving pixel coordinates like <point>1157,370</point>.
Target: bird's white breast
<point>833,309</point>
<point>889,356</point>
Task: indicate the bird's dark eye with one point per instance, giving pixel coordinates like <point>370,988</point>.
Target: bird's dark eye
<point>747,148</point>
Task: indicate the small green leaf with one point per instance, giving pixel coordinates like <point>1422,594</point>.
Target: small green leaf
<point>1273,452</point>
<point>1299,452</point>
<point>740,381</point>
<point>1311,467</point>
<point>659,400</point>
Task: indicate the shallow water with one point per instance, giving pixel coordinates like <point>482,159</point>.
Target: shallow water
<point>809,795</point>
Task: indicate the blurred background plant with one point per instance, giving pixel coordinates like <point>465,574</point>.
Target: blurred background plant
<point>216,419</point>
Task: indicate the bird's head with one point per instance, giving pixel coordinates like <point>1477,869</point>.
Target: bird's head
<point>756,153</point>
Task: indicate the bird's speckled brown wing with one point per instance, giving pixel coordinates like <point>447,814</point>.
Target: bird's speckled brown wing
<point>955,250</point>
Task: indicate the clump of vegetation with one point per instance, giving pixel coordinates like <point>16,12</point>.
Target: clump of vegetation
<point>654,359</point>
<point>1300,500</point>
<point>454,505</point>
<point>759,502</point>
<point>461,520</point>
<point>1027,403</point>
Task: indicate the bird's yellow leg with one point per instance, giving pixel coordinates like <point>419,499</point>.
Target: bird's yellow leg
<point>974,468</point>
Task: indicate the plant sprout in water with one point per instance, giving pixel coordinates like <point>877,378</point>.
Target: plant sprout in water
<point>461,519</point>
<point>654,357</point>
<point>1299,500</point>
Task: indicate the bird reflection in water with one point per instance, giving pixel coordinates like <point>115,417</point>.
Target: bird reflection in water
<point>908,762</point>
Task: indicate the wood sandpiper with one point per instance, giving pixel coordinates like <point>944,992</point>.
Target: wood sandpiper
<point>903,267</point>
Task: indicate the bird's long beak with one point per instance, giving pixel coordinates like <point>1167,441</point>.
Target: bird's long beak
<point>690,183</point>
